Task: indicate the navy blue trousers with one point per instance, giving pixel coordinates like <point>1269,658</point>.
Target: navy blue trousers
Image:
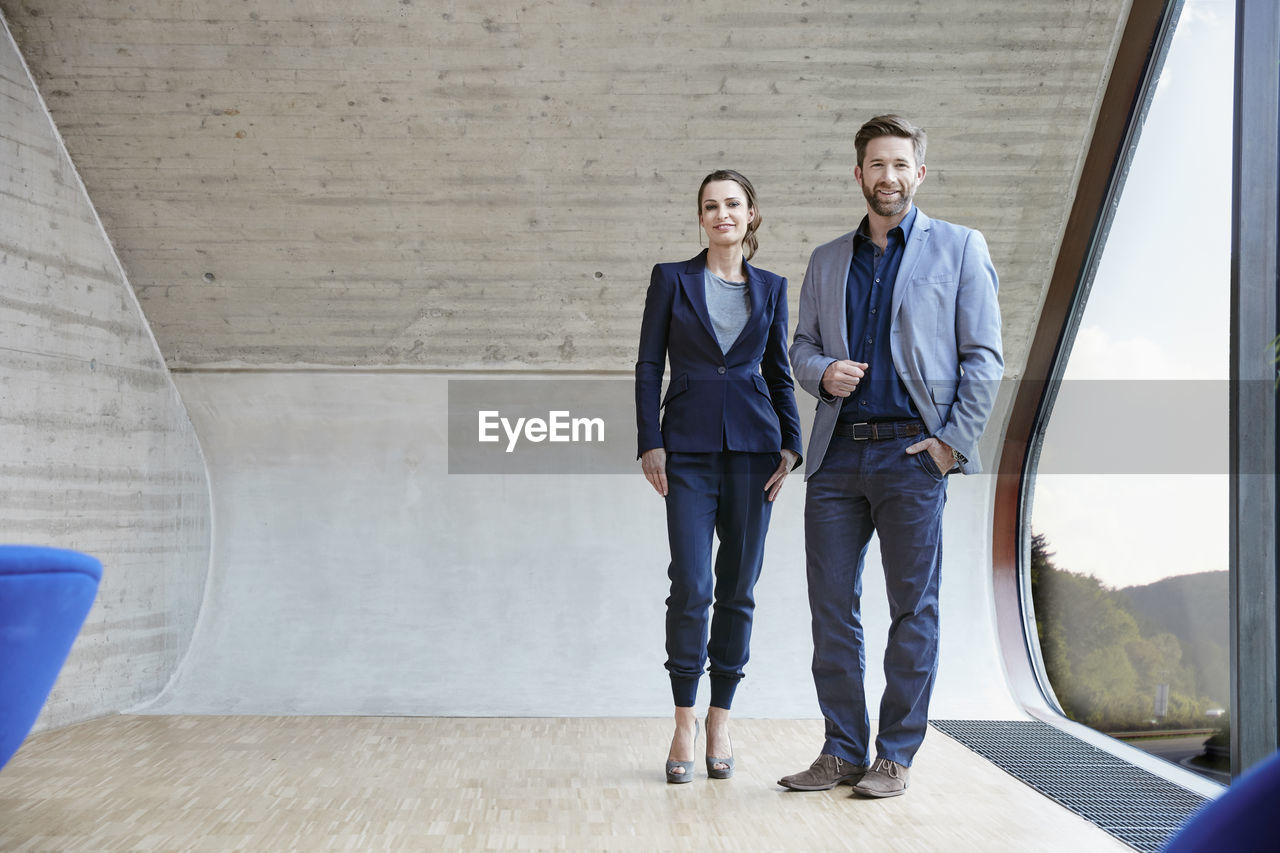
<point>864,487</point>
<point>713,495</point>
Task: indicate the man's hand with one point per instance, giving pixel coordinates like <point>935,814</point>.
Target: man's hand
<point>841,378</point>
<point>939,451</point>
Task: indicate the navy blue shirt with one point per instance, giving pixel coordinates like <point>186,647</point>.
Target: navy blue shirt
<point>880,396</point>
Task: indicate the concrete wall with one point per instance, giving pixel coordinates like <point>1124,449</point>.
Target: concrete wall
<point>328,209</point>
<point>355,575</point>
<point>96,451</point>
<point>476,184</point>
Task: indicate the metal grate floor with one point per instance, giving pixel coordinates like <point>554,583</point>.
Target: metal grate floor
<point>1132,804</point>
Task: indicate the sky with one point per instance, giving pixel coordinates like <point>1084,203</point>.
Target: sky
<point>1159,310</point>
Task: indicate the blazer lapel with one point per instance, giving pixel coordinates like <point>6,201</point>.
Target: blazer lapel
<point>839,278</point>
<point>910,257</point>
<point>695,290</point>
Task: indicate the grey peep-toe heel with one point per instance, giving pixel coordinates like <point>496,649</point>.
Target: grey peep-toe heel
<point>687,766</point>
<point>714,772</point>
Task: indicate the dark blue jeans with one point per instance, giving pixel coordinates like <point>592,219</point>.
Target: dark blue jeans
<point>721,495</point>
<point>861,487</point>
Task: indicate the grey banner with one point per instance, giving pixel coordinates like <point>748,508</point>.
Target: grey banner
<point>557,425</point>
<point>542,426</point>
<point>1143,427</point>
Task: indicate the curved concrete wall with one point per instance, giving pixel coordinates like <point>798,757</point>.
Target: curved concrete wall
<point>355,575</point>
<point>329,209</point>
<point>96,451</point>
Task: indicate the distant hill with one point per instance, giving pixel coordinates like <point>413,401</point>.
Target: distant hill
<point>1194,608</point>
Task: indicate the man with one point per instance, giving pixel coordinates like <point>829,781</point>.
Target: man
<point>899,339</point>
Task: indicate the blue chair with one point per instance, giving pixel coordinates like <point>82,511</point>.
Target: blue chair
<point>1245,819</point>
<point>45,595</point>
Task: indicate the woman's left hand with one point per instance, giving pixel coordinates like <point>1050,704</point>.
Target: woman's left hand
<point>788,462</point>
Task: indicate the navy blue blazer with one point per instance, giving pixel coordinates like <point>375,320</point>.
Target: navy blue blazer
<point>741,400</point>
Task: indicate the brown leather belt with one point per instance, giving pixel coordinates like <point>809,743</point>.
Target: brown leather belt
<point>880,430</point>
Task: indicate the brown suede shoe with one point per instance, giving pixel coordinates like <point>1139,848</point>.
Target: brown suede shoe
<point>885,779</point>
<point>823,775</point>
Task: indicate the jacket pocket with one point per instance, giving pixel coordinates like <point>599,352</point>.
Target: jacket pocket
<point>943,395</point>
<point>932,303</point>
<point>926,463</point>
<point>761,385</point>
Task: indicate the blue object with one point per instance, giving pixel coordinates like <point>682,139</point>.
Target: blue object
<point>45,595</point>
<point>742,400</point>
<point>712,494</point>
<point>1245,818</point>
<point>869,295</point>
<point>866,487</point>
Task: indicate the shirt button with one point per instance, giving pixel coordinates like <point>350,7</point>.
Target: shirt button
<point>873,310</point>
<point>720,370</point>
<point>870,341</point>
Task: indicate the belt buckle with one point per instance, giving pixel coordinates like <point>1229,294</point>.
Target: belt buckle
<point>868,424</point>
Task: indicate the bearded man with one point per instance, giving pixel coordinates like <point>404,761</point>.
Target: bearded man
<point>898,337</point>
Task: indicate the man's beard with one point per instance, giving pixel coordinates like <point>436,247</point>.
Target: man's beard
<point>887,208</point>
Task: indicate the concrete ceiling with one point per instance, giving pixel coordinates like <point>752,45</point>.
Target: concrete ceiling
<point>469,184</point>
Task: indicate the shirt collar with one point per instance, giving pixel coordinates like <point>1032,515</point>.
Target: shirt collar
<point>904,227</point>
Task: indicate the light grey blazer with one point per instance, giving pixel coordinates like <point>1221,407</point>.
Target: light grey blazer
<point>945,333</point>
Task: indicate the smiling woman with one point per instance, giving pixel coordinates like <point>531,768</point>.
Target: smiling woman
<point>719,455</point>
<point>727,212</point>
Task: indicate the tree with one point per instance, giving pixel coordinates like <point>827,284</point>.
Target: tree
<point>1103,669</point>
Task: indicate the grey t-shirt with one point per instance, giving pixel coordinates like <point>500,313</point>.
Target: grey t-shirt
<point>729,305</point>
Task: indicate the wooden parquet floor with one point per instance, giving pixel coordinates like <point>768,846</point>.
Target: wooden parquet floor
<point>143,783</point>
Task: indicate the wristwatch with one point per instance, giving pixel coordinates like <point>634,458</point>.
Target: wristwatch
<point>958,456</point>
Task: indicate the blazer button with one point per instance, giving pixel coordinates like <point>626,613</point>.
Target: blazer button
<point>720,370</point>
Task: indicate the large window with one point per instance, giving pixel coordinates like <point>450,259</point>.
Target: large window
<point>1130,504</point>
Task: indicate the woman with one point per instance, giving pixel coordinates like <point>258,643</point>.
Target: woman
<point>730,434</point>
